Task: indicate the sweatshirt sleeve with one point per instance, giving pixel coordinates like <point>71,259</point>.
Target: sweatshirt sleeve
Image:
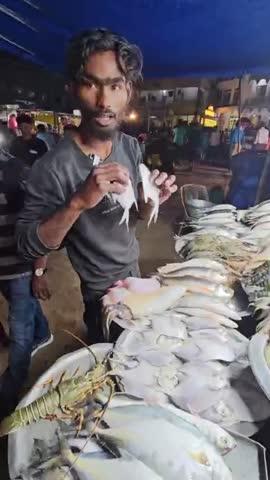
<point>43,196</point>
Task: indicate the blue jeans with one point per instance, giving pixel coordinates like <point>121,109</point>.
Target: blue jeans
<point>27,325</point>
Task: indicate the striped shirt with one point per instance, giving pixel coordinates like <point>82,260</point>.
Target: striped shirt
<point>12,172</point>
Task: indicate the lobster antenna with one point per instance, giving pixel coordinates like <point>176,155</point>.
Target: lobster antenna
<point>82,342</point>
<point>95,426</point>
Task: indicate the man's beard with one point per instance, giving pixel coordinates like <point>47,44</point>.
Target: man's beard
<point>97,131</point>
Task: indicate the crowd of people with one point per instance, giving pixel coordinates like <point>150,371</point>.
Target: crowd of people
<point>58,193</point>
<point>195,143</point>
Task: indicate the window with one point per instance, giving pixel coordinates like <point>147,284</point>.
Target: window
<point>261,91</point>
<point>226,97</point>
<point>236,96</point>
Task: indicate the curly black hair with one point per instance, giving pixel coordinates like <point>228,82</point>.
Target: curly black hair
<point>129,57</point>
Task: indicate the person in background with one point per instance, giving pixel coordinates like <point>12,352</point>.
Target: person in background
<point>45,136</point>
<point>69,129</point>
<point>142,141</point>
<point>67,193</point>
<point>194,141</point>
<point>13,124</point>
<point>27,147</point>
<point>21,284</point>
<point>237,137</point>
<point>262,138</point>
<point>180,134</point>
<point>53,132</point>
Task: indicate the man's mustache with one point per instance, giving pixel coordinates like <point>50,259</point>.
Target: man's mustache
<point>101,113</point>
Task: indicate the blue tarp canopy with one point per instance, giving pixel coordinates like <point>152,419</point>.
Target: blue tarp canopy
<point>177,37</point>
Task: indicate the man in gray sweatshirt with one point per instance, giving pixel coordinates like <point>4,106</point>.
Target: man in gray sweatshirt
<point>67,201</point>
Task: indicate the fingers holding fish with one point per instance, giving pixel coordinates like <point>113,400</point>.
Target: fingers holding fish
<point>110,176</point>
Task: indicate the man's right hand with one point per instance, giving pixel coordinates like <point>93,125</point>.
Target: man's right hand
<point>109,178</point>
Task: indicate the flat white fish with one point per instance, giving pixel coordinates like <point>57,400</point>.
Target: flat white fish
<point>169,324</point>
<point>89,468</point>
<point>198,272</point>
<point>172,455</point>
<point>200,285</point>
<point>195,396</point>
<point>126,200</point>
<point>139,285</point>
<point>176,453</point>
<point>134,343</point>
<point>121,416</point>
<point>222,440</point>
<point>144,373</point>
<point>198,262</point>
<point>212,305</point>
<point>150,191</point>
<point>201,323</point>
<point>205,349</point>
<point>204,313</point>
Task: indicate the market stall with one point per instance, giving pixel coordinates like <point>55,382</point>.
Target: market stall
<point>159,403</point>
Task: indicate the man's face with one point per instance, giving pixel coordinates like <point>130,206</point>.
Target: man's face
<point>103,94</point>
<point>26,129</point>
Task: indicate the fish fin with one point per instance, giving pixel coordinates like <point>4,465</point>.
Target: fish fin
<point>125,217</point>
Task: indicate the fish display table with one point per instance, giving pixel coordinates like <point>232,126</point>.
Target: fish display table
<point>245,461</point>
<point>187,376</point>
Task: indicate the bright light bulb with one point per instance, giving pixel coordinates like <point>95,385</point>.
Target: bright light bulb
<point>133,116</point>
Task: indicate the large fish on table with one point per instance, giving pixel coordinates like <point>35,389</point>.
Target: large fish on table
<point>118,416</point>
<point>171,452</point>
<point>123,468</point>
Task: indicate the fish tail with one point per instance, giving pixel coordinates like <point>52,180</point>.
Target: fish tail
<point>153,216</point>
<point>125,217</point>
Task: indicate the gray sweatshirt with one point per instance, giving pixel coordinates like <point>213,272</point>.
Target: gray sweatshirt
<point>101,251</point>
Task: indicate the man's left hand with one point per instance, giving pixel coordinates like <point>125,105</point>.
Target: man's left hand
<point>40,288</point>
<point>165,183</point>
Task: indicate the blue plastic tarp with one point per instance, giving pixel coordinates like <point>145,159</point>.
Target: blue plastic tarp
<point>177,37</point>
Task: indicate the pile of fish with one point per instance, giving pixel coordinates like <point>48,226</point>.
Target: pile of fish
<point>256,277</point>
<point>218,234</point>
<point>258,218</point>
<point>122,447</point>
<point>180,345</point>
<point>220,219</point>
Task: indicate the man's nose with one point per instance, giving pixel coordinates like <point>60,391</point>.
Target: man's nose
<point>103,97</point>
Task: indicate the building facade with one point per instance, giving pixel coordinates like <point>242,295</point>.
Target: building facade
<point>246,97</point>
<point>30,86</point>
<point>163,102</point>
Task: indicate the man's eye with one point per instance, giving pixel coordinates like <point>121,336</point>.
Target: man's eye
<point>87,83</point>
<point>116,86</point>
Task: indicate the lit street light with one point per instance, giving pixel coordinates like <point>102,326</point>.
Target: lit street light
<point>133,116</point>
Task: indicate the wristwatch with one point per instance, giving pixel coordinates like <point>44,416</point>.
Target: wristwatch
<point>39,272</point>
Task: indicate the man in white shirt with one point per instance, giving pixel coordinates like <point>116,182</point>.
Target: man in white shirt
<point>262,138</point>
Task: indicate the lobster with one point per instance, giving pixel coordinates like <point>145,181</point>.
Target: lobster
<point>65,401</point>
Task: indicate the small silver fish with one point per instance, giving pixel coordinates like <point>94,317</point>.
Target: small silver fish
<point>126,199</point>
<point>150,191</point>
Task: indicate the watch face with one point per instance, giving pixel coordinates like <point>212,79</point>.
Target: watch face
<point>39,272</point>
